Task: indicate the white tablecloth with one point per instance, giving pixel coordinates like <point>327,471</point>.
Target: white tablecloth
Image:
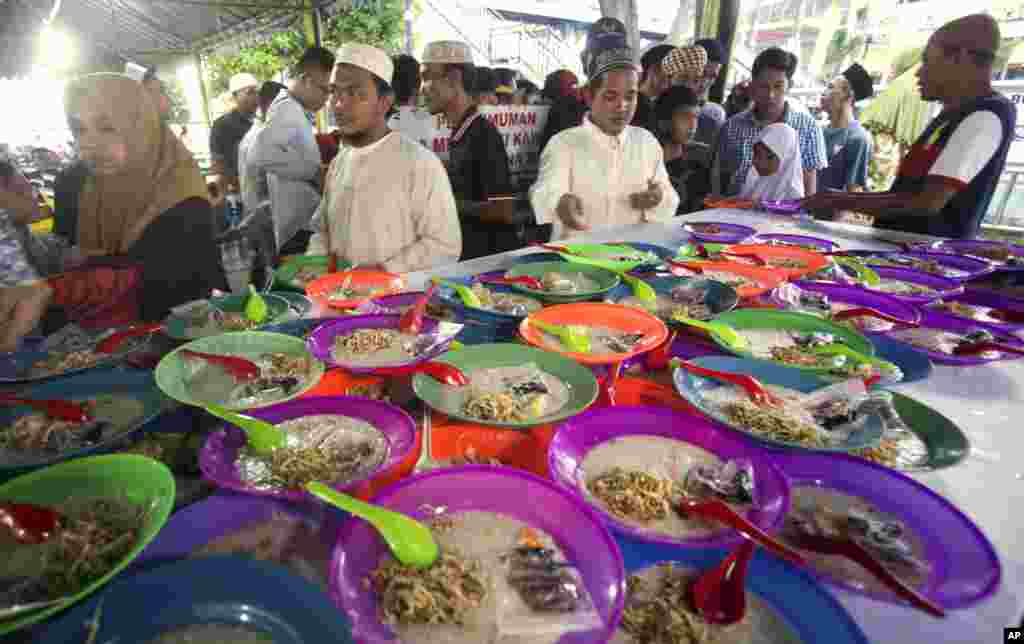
<point>982,400</point>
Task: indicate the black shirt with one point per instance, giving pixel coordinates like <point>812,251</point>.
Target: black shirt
<point>567,112</point>
<point>167,281</point>
<point>478,169</point>
<point>691,177</point>
<point>225,135</point>
<point>66,189</point>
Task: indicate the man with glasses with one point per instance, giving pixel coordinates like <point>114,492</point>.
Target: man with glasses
<point>478,164</point>
<point>280,160</point>
<point>945,183</point>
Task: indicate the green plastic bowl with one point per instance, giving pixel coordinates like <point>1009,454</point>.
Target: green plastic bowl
<point>172,372</point>
<point>138,479</point>
<point>605,279</point>
<point>747,319</point>
<point>278,309</point>
<point>599,255</point>
<point>580,380</point>
<point>284,276</point>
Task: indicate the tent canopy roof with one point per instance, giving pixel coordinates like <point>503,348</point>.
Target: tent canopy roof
<point>126,29</point>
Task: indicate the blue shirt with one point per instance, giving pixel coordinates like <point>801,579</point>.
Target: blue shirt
<point>849,152</point>
<point>736,143</point>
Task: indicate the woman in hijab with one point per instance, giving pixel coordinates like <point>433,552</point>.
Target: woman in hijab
<point>776,172</point>
<point>141,221</point>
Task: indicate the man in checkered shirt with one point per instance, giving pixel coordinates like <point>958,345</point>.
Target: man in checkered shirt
<point>772,73</point>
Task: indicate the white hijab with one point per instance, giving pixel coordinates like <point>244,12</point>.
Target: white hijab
<point>788,182</point>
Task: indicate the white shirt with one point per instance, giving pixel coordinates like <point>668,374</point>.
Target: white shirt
<point>280,162</point>
<point>603,171</point>
<point>971,146</point>
<point>414,123</point>
<point>388,203</point>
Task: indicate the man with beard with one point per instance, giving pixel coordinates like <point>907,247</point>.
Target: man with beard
<point>387,202</point>
<point>605,172</point>
<point>946,181</point>
<point>477,162</point>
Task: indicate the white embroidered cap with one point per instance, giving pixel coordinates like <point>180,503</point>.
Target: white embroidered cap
<point>448,52</point>
<point>241,81</point>
<point>373,60</point>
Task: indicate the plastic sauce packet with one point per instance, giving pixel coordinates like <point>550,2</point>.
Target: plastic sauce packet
<point>542,595</point>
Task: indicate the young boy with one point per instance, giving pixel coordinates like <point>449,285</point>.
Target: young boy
<point>688,162</point>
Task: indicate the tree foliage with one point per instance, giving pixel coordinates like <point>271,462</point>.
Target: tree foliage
<point>179,112</point>
<point>376,23</point>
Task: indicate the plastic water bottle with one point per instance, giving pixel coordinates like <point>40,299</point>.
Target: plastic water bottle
<point>234,214</point>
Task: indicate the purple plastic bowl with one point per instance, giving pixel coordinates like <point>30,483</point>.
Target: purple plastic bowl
<point>967,246</point>
<point>577,436</point>
<point>824,245</point>
<point>862,297</point>
<point>970,265</point>
<point>943,286</point>
<point>934,320</point>
<point>992,301</point>
<point>782,206</point>
<point>397,301</point>
<point>217,456</point>
<point>965,567</point>
<point>576,528</point>
<point>731,233</point>
<point>321,341</point>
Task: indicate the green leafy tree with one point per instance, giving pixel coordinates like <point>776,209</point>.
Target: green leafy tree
<point>179,113</point>
<point>379,24</point>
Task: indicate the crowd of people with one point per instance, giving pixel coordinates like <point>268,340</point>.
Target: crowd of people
<point>639,141</point>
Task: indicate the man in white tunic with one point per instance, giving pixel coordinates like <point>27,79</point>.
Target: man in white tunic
<point>605,172</point>
<point>387,201</point>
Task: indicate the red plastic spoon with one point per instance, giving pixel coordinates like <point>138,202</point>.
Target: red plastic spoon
<point>719,595</point>
<point>59,409</point>
<point>660,357</point>
<point>855,552</point>
<point>751,385</point>
<point>111,344</point>
<point>721,512</point>
<point>440,371</point>
<point>863,311</point>
<point>29,523</point>
<point>412,320</point>
<point>239,368</point>
<point>525,280</point>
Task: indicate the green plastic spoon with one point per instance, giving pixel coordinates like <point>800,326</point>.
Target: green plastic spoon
<point>255,306</point>
<point>467,296</point>
<point>410,541</point>
<point>723,332</point>
<point>574,340</point>
<point>263,437</point>
<point>641,289</point>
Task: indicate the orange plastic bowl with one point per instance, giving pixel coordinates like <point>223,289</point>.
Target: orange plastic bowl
<point>812,262</point>
<point>376,283</point>
<point>613,316</point>
<point>631,391</point>
<point>521,450</point>
<point>766,278</point>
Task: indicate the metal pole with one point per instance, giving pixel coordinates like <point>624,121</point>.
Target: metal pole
<point>203,96</point>
<point>408,27</point>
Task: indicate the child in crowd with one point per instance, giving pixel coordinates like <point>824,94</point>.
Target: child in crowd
<point>776,172</point>
<point>688,162</point>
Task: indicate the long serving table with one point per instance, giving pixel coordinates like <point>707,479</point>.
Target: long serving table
<point>988,486</point>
